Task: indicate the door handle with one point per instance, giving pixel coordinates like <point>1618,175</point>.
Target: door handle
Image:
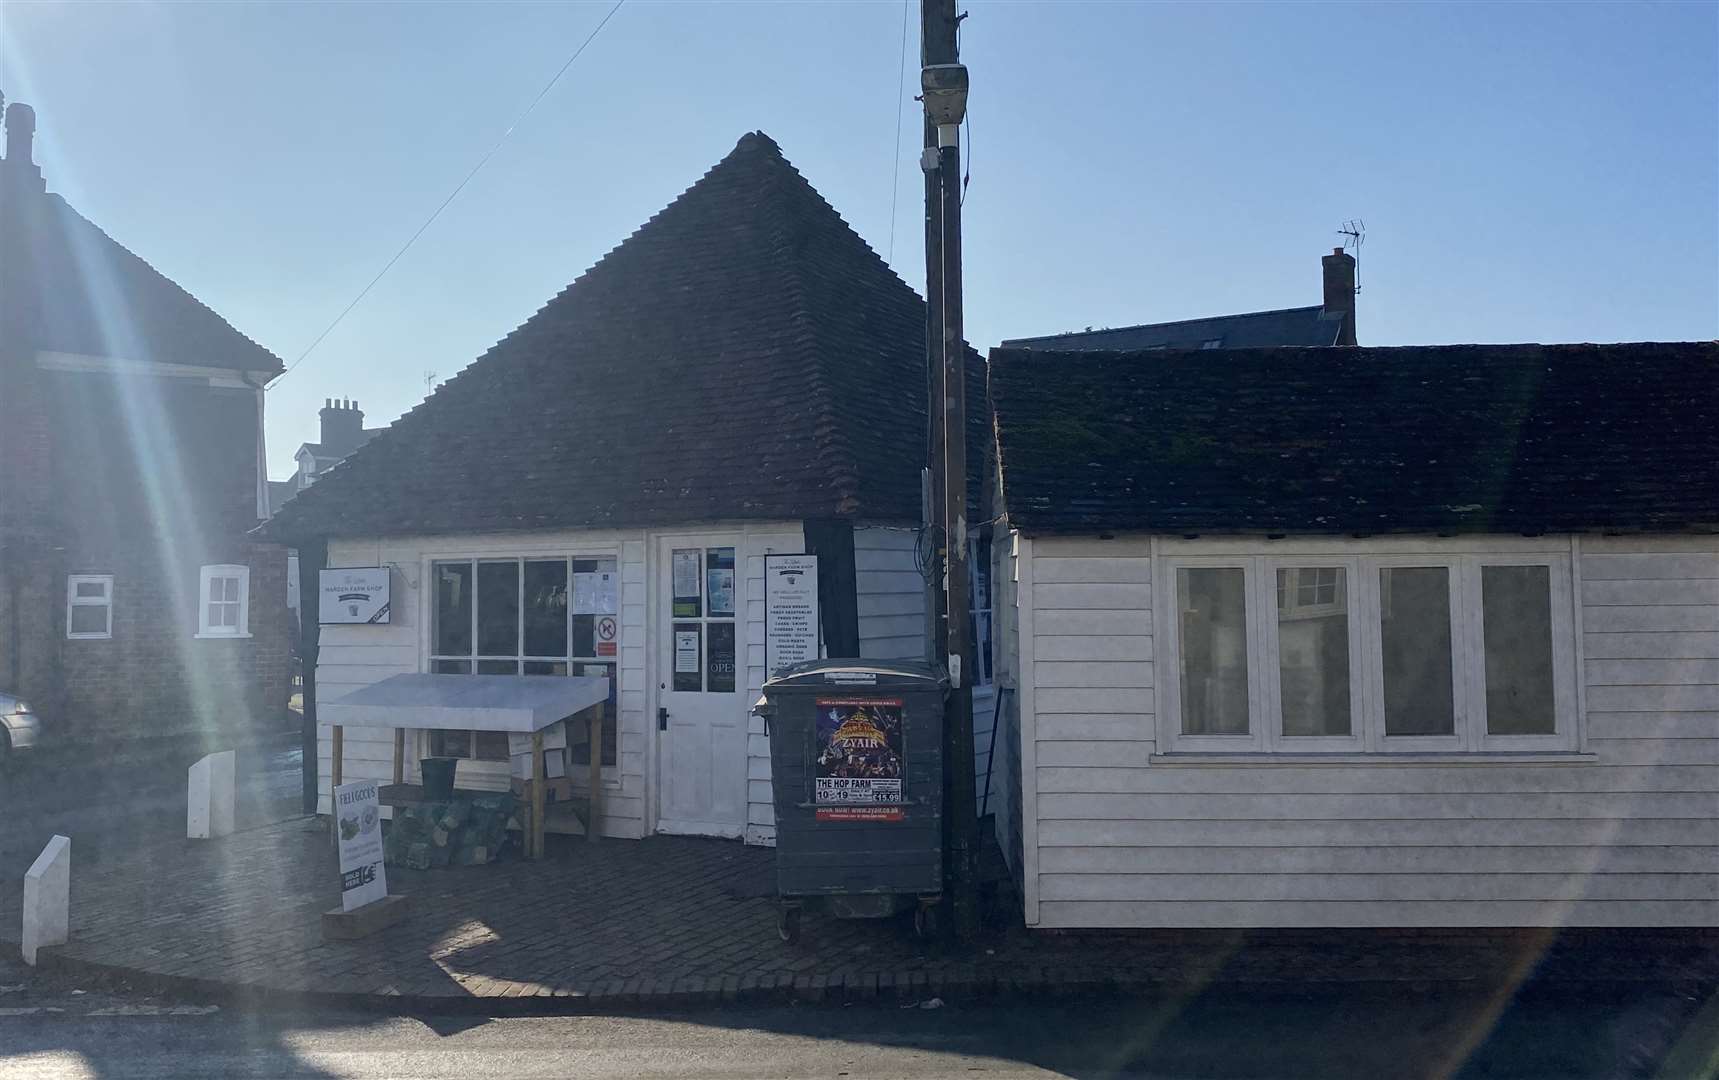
<point>662,719</point>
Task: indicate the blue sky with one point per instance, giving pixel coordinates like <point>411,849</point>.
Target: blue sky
<point>1527,172</point>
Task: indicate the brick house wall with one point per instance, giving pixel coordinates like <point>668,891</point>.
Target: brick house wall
<point>154,478</point>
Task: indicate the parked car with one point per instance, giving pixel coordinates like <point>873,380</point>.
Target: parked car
<point>18,724</point>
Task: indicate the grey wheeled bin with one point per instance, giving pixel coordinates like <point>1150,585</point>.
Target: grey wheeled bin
<point>856,761</point>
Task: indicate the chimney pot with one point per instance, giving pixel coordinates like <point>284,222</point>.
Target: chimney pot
<point>20,133</point>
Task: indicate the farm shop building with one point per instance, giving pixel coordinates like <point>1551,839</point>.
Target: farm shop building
<point>742,377</point>
<point>1362,637</point>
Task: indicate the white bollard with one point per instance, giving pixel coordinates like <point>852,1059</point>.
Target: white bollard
<point>47,898</point>
<point>210,793</point>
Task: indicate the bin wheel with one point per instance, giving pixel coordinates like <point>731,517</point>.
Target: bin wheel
<point>788,925</point>
<point>924,921</point>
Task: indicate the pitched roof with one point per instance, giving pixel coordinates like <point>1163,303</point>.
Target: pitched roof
<point>1462,438</point>
<point>1258,329</point>
<point>96,298</point>
<point>742,356</point>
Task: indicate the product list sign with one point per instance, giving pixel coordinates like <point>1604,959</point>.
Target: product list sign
<point>790,610</point>
<point>353,595</point>
<point>358,824</point>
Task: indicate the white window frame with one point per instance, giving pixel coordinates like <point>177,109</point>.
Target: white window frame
<point>575,664</point>
<point>73,600</point>
<point>206,578</point>
<point>1170,634</point>
<point>1367,699</point>
<point>1270,657</point>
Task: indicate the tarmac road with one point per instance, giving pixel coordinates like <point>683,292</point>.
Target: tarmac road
<point>1347,1035</point>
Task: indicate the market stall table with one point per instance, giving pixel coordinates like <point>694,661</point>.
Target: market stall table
<point>515,704</point>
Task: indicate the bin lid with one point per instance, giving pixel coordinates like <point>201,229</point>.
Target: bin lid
<point>856,673</point>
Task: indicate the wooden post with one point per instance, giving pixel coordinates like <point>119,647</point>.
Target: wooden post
<point>595,772</point>
<point>399,755</point>
<point>535,847</point>
<point>335,749</point>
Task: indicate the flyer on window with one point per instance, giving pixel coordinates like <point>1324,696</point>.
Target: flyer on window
<point>859,762</point>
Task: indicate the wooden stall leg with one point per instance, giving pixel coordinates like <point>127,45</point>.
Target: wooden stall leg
<point>337,755</point>
<point>399,755</point>
<point>536,848</point>
<point>595,775</point>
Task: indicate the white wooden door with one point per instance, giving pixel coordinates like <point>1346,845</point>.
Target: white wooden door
<point>701,721</point>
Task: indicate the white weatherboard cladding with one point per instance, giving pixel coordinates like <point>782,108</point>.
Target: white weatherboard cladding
<point>355,656</point>
<point>1627,834</point>
<point>759,541</point>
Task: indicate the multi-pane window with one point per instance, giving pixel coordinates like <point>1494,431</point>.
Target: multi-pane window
<point>1387,653</point>
<point>223,607</point>
<point>979,571</point>
<point>89,606</point>
<point>702,609</point>
<point>524,616</point>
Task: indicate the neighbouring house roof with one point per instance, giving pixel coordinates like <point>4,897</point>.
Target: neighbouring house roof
<point>1458,438</point>
<point>1257,329</point>
<point>742,356</point>
<point>321,453</point>
<point>94,297</point>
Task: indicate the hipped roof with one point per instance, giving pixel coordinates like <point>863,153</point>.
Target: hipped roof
<point>742,356</point>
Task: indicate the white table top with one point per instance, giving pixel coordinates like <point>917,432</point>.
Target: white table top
<point>516,703</point>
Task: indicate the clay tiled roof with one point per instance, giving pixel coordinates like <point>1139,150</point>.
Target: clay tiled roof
<point>1460,438</point>
<point>94,297</point>
<point>742,356</point>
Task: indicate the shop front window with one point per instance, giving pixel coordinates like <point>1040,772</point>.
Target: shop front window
<point>526,616</point>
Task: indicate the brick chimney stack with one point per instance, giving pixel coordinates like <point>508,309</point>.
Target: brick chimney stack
<point>20,165</point>
<point>342,427</point>
<point>1339,269</point>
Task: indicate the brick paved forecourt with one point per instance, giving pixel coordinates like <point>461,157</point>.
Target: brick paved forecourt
<point>678,922</point>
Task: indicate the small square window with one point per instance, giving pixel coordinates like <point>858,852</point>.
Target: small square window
<point>223,610</point>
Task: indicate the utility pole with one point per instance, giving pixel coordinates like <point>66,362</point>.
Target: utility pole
<point>944,84</point>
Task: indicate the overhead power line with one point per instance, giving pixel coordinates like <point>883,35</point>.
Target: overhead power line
<point>895,159</point>
<point>452,195</point>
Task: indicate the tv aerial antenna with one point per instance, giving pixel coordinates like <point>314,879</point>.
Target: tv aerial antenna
<point>1354,234</point>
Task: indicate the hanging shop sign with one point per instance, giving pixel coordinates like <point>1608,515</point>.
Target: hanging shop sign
<point>790,610</point>
<point>353,595</point>
<point>857,775</point>
<point>358,824</point>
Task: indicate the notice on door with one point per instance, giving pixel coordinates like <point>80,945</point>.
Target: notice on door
<point>358,819</point>
<point>790,610</point>
<point>686,652</point>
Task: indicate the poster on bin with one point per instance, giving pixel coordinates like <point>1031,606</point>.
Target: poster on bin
<point>358,825</point>
<point>858,772</point>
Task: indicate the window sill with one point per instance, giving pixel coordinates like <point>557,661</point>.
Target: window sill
<point>221,637</point>
<point>89,637</point>
<point>1401,758</point>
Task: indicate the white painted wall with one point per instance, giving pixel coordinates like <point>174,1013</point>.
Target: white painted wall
<point>890,594</point>
<point>355,656</point>
<point>1627,833</point>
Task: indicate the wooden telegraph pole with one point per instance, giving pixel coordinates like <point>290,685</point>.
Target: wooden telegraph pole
<point>944,85</point>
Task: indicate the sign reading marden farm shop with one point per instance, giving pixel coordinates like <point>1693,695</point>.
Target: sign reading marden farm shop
<point>358,824</point>
<point>790,610</point>
<point>353,595</point>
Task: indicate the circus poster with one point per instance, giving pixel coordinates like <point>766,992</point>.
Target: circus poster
<point>859,755</point>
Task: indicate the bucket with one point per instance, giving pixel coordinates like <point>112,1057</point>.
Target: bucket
<point>438,777</point>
